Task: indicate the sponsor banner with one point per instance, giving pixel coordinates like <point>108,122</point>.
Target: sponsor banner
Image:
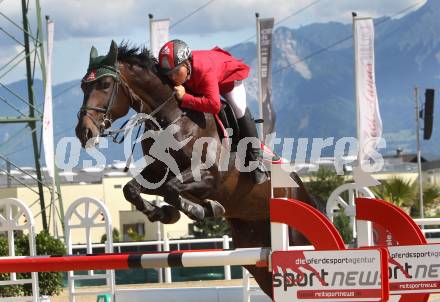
<point>369,120</point>
<point>48,114</point>
<point>266,27</point>
<point>414,269</point>
<point>344,275</point>
<point>159,34</point>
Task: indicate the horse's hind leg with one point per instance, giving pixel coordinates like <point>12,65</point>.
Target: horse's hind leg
<point>246,234</point>
<point>300,193</point>
<point>165,214</point>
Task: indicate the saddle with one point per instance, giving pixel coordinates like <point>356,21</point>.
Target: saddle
<point>226,119</point>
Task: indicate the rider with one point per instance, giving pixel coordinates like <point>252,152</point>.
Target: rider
<point>207,74</point>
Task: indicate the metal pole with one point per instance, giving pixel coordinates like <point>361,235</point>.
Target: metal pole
<point>362,230</point>
<point>8,175</point>
<point>166,247</point>
<point>159,245</point>
<point>41,44</point>
<point>158,224</point>
<point>419,152</point>
<point>150,17</point>
<point>227,268</point>
<point>260,93</point>
<point>354,15</point>
<point>32,124</point>
<point>53,209</point>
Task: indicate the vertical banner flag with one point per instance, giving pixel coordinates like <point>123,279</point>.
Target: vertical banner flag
<point>265,34</point>
<point>368,115</point>
<point>159,34</point>
<point>48,115</point>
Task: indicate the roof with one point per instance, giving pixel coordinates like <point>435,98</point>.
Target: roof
<point>95,175</point>
<point>92,175</point>
<point>404,158</point>
<point>431,165</point>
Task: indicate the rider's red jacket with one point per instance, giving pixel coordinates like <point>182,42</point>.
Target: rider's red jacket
<point>213,74</point>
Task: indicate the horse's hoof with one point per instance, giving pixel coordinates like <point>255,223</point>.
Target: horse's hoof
<point>196,213</point>
<point>214,208</point>
<point>155,215</point>
<point>260,176</point>
<point>165,214</point>
<point>192,210</point>
<point>171,215</point>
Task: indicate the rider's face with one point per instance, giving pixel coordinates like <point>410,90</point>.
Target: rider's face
<point>179,76</point>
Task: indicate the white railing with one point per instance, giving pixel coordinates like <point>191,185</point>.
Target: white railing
<point>117,245</point>
<point>427,232</point>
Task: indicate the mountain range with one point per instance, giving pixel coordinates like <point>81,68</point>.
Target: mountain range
<point>313,85</point>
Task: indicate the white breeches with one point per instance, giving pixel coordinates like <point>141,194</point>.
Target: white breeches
<point>237,99</point>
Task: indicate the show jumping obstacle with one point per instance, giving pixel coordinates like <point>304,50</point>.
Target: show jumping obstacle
<point>311,223</point>
<point>322,234</point>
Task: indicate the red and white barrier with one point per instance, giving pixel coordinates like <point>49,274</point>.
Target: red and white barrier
<point>206,258</point>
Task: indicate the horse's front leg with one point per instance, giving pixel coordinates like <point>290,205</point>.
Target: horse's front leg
<point>191,196</point>
<point>165,214</point>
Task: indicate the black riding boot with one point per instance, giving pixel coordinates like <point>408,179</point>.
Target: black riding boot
<point>247,128</point>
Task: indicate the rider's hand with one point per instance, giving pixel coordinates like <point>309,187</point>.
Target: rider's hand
<point>179,92</point>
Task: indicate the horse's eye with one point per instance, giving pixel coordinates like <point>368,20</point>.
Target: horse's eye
<point>105,85</point>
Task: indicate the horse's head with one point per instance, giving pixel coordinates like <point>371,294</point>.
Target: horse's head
<point>102,102</point>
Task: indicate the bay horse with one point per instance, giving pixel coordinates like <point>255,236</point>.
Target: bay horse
<point>129,78</point>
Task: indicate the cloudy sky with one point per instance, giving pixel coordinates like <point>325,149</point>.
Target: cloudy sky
<point>79,24</point>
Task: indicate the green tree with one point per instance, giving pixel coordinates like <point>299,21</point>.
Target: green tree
<point>134,236</point>
<point>431,199</point>
<point>404,193</point>
<point>397,191</point>
<point>50,283</point>
<point>211,228</point>
<point>116,236</point>
<point>342,223</point>
<point>323,182</point>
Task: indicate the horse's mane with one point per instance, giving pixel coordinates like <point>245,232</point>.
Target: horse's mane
<point>137,55</point>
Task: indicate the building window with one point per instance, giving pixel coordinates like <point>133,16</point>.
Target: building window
<point>117,186</point>
<point>133,231</point>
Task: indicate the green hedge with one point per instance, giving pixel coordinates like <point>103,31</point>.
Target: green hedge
<point>50,283</point>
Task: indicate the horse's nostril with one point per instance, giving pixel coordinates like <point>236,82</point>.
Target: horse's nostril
<point>88,134</point>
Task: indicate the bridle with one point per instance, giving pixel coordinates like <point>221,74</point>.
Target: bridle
<point>105,124</point>
<point>106,117</point>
